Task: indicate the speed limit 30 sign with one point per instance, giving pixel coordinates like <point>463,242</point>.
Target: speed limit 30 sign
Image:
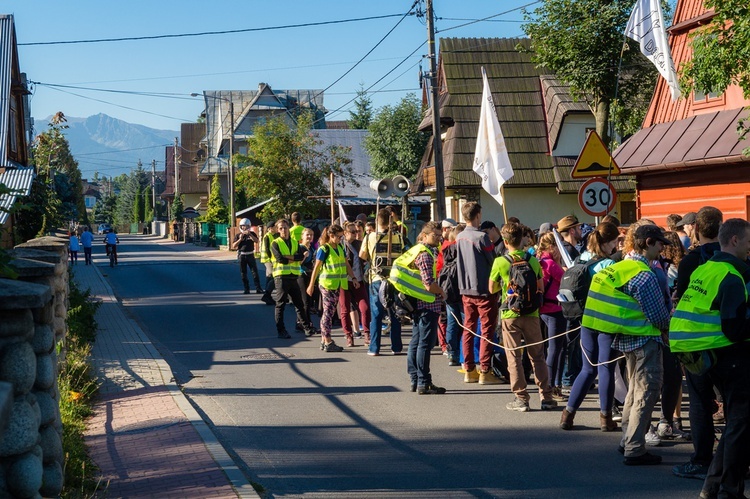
<point>597,197</point>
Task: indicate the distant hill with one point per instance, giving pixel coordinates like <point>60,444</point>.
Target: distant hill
<point>111,146</point>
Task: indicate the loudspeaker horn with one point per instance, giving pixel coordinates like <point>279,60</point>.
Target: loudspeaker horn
<point>384,187</point>
<point>401,186</point>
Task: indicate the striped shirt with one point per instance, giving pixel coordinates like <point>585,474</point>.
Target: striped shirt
<point>424,262</point>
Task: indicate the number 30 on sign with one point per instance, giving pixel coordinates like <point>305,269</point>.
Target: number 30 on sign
<point>597,197</point>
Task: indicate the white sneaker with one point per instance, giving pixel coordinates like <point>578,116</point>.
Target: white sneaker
<point>652,439</point>
<point>664,430</point>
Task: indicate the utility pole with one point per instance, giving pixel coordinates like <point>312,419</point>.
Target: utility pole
<point>231,164</point>
<point>437,143</point>
<point>330,180</point>
<point>177,160</point>
<point>153,189</point>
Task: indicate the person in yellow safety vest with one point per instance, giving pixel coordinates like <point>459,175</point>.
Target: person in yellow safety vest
<point>709,332</point>
<point>415,274</point>
<point>297,227</point>
<point>625,300</point>
<point>333,281</point>
<point>287,257</point>
<point>266,258</point>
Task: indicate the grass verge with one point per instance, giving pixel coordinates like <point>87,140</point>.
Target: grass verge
<point>78,386</point>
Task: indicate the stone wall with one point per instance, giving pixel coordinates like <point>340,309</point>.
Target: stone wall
<point>33,311</point>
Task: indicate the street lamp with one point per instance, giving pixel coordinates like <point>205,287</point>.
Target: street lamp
<point>230,172</point>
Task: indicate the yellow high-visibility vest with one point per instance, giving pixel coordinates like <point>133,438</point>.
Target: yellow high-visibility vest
<point>406,277</point>
<point>292,268</point>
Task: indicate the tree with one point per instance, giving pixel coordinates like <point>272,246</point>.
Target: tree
<point>130,198</point>
<point>217,211</point>
<point>721,53</point>
<point>361,117</point>
<point>148,197</point>
<point>288,165</point>
<point>581,43</point>
<point>138,206</point>
<point>177,207</point>
<point>395,143</point>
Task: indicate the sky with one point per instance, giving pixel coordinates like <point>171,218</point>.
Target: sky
<point>149,82</point>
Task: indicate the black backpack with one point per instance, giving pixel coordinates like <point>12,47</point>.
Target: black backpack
<point>448,277</point>
<point>574,288</point>
<point>523,297</point>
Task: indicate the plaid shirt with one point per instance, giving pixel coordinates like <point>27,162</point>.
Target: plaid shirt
<point>424,263</point>
<point>644,287</point>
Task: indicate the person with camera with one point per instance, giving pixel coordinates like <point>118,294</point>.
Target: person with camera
<point>244,243</point>
<point>414,274</point>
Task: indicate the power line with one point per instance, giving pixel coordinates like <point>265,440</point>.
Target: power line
<point>122,150</point>
<point>166,95</point>
<point>205,33</point>
<point>488,17</point>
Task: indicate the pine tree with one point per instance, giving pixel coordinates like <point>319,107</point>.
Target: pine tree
<point>177,207</point>
<point>216,211</point>
<point>149,208</point>
<point>361,117</point>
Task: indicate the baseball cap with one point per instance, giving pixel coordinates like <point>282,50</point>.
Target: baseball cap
<point>688,219</point>
<point>270,225</point>
<point>448,222</point>
<point>651,231</point>
<point>545,227</point>
<point>487,225</point>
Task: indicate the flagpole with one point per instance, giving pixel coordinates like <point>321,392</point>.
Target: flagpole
<point>611,120</point>
<point>505,212</point>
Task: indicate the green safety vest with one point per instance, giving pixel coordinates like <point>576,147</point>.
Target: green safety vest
<point>406,278</point>
<point>612,311</point>
<point>292,268</point>
<point>333,275</point>
<point>694,326</point>
<point>296,232</point>
<point>265,248</point>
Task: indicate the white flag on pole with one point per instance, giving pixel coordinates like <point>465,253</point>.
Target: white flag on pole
<point>646,26</point>
<point>342,215</point>
<point>491,161</point>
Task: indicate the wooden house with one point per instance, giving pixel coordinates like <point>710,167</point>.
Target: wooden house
<point>688,154</point>
<point>544,130</point>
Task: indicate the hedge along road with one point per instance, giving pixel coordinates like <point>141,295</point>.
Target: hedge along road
<point>302,422</point>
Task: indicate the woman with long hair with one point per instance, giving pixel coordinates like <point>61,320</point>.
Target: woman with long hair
<point>550,310</point>
<point>331,258</point>
<point>596,347</point>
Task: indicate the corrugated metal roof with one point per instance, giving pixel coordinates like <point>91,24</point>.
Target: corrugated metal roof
<point>18,179</point>
<point>563,166</point>
<point>7,49</point>
<point>355,141</point>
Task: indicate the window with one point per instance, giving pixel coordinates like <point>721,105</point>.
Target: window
<point>704,100</point>
<point>12,128</point>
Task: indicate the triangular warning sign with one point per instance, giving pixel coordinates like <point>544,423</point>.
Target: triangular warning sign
<point>594,160</point>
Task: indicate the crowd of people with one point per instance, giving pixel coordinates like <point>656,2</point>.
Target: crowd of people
<point>639,308</point>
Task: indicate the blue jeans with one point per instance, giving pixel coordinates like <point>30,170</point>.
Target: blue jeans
<point>598,348</point>
<point>423,339</point>
<point>376,322</point>
<point>453,330</point>
<point>555,323</point>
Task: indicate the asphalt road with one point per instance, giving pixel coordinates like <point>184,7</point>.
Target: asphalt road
<point>303,423</point>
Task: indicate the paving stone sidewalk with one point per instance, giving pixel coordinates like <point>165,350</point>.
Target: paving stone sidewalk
<point>145,437</point>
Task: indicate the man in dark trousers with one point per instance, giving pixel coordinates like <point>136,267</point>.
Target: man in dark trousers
<point>267,260</point>
<point>709,331</point>
<point>245,243</point>
<point>288,256</point>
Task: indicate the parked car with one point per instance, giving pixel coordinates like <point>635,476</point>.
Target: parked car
<point>103,229</point>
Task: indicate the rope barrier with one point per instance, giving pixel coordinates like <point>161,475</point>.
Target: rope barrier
<point>508,349</point>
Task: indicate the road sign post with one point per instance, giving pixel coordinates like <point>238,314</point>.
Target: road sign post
<point>597,197</point>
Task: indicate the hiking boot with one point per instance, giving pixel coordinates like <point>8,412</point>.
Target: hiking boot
<point>549,404</point>
<point>284,335</point>
<point>453,361</point>
<point>566,420</point>
<point>471,376</point>
<point>367,339</point>
<point>430,390</point>
<point>311,332</point>
<point>718,416</point>
<point>679,433</point>
<point>665,431</point>
<point>413,387</point>
<point>332,347</point>
<point>350,341</point>
<point>517,405</point>
<point>690,470</point>
<point>489,378</point>
<point>642,460</point>
<point>606,423</point>
<point>652,439</point>
<point>557,394</point>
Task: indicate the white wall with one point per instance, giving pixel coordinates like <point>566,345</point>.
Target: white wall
<point>573,134</point>
<point>533,206</point>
